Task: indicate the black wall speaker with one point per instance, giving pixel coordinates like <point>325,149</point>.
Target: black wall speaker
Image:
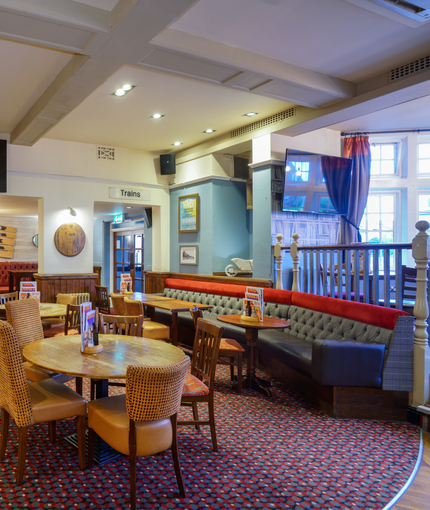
<point>3,171</point>
<point>147,215</point>
<point>241,169</point>
<point>167,164</point>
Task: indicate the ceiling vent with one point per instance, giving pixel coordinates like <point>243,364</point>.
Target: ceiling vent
<point>106,153</point>
<point>259,124</point>
<point>415,67</point>
<point>416,11</point>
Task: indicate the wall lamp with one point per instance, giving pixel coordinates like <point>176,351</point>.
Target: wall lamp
<point>71,211</point>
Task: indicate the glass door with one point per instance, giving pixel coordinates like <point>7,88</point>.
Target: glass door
<point>129,259</point>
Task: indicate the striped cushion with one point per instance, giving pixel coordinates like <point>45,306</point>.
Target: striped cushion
<point>194,387</point>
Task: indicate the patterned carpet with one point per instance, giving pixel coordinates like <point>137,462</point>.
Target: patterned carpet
<point>275,453</point>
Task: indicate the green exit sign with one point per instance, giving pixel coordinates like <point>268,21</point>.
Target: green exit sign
<point>118,218</point>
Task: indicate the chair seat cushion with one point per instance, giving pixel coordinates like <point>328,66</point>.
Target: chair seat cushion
<point>51,400</point>
<point>228,344</point>
<point>108,418</point>
<point>194,387</point>
<point>155,330</point>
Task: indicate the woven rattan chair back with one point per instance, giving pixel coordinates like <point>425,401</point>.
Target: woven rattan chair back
<point>102,299</point>
<point>24,316</point>
<point>10,296</point>
<point>205,351</point>
<point>154,393</point>
<point>118,304</point>
<point>14,392</point>
<point>121,324</point>
<point>133,306</point>
<point>66,299</point>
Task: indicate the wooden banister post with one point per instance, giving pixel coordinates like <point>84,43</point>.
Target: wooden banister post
<point>278,257</point>
<point>295,256</point>
<point>421,254</point>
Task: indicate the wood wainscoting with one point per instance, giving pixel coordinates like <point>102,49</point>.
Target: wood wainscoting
<point>49,285</point>
<point>155,282</point>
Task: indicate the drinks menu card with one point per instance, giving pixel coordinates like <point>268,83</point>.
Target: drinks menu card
<point>253,304</point>
<point>126,283</point>
<point>87,321</point>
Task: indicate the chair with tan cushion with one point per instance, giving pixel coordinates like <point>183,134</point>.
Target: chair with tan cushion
<point>38,402</point>
<point>199,384</point>
<point>229,348</point>
<point>143,421</point>
<point>151,329</point>
<point>102,299</point>
<point>118,304</point>
<point>24,316</point>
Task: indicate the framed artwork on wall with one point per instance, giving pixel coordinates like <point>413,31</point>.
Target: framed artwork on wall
<point>188,213</point>
<point>188,255</point>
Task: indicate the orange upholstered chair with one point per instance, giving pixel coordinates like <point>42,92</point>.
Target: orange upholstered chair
<point>142,421</point>
<point>199,384</point>
<point>230,349</point>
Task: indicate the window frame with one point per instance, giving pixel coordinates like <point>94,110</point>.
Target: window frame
<point>397,213</point>
<point>397,157</point>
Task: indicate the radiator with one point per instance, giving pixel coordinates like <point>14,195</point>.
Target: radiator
<point>82,297</point>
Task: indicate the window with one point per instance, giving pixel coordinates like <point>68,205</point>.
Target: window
<point>298,171</point>
<point>379,219</point>
<point>384,158</point>
<point>424,207</point>
<point>423,159</point>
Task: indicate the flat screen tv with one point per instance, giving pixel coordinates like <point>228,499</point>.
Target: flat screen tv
<point>304,184</point>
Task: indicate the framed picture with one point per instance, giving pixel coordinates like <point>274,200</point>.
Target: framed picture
<point>188,255</point>
<point>188,213</point>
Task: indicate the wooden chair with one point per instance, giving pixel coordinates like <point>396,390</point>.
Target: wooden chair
<point>199,384</point>
<point>38,402</point>
<point>151,329</point>
<point>143,421</point>
<point>61,299</point>
<point>4,298</point>
<point>118,325</point>
<point>230,349</point>
<point>102,299</point>
<point>23,315</point>
<point>71,324</point>
<point>409,288</point>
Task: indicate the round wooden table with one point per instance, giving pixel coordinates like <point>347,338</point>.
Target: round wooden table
<point>251,335</point>
<point>62,354</point>
<point>48,310</point>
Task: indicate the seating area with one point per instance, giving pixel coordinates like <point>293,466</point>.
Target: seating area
<point>5,267</point>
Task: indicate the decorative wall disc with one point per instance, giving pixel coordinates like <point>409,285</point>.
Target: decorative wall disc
<point>69,239</point>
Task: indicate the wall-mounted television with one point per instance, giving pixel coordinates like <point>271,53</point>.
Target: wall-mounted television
<point>304,185</point>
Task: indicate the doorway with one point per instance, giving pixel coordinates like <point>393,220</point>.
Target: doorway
<point>129,258</point>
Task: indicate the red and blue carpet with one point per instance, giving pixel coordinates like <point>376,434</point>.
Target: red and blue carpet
<point>274,453</point>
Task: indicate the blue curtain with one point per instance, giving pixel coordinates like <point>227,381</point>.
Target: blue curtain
<point>337,174</point>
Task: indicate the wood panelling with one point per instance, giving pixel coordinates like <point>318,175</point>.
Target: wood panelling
<point>50,285</point>
<point>154,282</point>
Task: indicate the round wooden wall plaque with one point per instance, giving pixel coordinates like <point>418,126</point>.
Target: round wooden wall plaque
<point>69,239</point>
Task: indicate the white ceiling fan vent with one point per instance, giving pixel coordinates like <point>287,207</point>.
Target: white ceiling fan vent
<point>259,124</point>
<point>106,153</point>
<point>412,12</point>
<point>422,64</point>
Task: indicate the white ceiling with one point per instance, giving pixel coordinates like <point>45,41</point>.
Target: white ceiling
<point>203,64</point>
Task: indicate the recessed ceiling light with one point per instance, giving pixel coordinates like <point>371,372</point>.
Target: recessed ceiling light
<point>177,143</point>
<point>249,114</point>
<point>123,90</point>
<point>129,207</point>
<point>157,116</point>
<point>209,131</point>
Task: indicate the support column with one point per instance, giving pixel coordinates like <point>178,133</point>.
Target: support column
<point>421,254</point>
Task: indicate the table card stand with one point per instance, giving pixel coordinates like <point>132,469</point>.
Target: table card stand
<point>253,305</point>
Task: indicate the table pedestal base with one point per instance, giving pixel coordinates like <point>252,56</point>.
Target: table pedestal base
<point>102,451</point>
<point>258,384</point>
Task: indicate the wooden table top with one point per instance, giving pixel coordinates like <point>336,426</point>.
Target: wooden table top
<point>266,323</point>
<point>140,296</point>
<point>62,355</point>
<point>48,310</point>
<point>166,303</point>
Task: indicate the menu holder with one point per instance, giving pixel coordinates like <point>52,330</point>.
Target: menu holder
<point>92,350</point>
<point>246,318</point>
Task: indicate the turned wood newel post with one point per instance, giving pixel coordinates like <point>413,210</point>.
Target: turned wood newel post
<point>295,256</point>
<point>421,254</point>
<point>278,257</point>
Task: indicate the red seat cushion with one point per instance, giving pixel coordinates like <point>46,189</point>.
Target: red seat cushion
<point>194,387</point>
<point>228,344</point>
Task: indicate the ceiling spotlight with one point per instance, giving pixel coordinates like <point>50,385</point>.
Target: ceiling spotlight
<point>71,211</point>
<point>177,143</point>
<point>123,90</point>
<point>250,114</point>
<point>208,131</point>
<point>129,207</point>
<point>157,116</point>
